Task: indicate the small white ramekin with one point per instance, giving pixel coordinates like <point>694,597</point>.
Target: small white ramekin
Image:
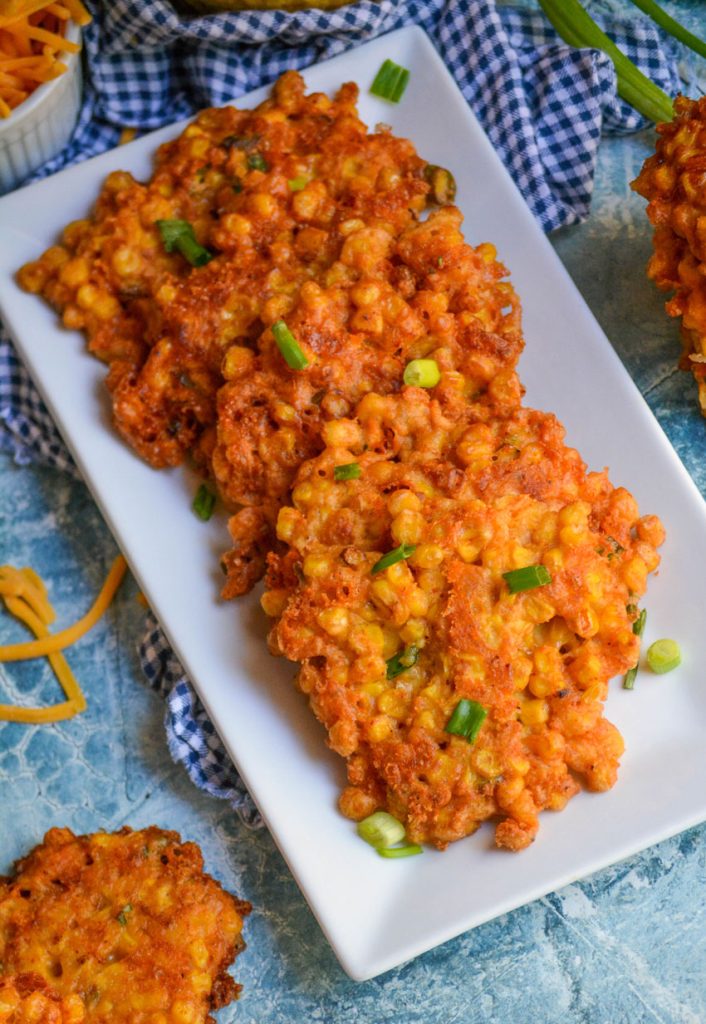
<point>40,127</point>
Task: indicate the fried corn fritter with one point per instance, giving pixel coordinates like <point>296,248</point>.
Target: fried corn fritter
<point>122,927</point>
<point>28,999</point>
<point>308,216</point>
<point>473,501</point>
<point>672,180</point>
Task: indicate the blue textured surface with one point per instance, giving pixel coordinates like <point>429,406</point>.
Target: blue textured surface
<point>624,946</point>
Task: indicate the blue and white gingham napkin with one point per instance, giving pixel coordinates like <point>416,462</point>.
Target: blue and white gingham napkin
<point>543,104</point>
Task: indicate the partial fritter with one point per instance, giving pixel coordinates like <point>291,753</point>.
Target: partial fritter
<point>394,596</point>
<point>116,927</point>
<point>292,211</point>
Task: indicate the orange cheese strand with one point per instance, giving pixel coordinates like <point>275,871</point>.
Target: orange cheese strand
<point>53,642</point>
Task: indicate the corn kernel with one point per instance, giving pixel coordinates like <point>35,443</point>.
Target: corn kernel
<point>379,729</point>
<point>287,521</point>
<point>274,602</point>
<point>428,556</point>
<point>534,712</point>
<point>316,566</point>
<point>237,361</point>
<point>393,703</point>
<point>334,621</point>
<point>401,501</point>
<point>407,527</point>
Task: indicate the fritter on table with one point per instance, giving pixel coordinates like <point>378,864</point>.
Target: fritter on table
<point>672,180</point>
<point>127,924</point>
<point>387,655</point>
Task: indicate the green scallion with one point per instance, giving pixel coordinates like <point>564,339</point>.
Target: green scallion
<point>392,557</point>
<point>400,851</point>
<point>179,235</point>
<point>381,830</point>
<point>350,471</point>
<point>257,162</point>
<point>670,25</point>
<point>638,628</point>
<point>467,719</point>
<point>204,503</point>
<point>663,656</point>
<point>121,918</point>
<point>422,373</point>
<point>297,184</point>
<point>289,346</point>
<point>401,661</point>
<point>577,28</point>
<point>390,82</point>
<point>529,578</point>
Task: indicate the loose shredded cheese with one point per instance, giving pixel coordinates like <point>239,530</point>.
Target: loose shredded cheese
<point>31,39</point>
<point>25,597</point>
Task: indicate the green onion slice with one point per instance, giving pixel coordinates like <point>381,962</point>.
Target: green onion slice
<point>351,471</point>
<point>396,555</point>
<point>121,918</point>
<point>529,578</point>
<point>257,162</point>
<point>289,346</point>
<point>400,851</point>
<point>638,628</point>
<point>204,503</point>
<point>179,235</point>
<point>401,661</point>
<point>663,656</point>
<point>661,18</point>
<point>422,373</point>
<point>297,184</point>
<point>381,830</point>
<point>390,81</point>
<point>467,719</point>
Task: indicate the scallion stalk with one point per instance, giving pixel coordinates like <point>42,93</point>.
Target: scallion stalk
<point>381,830</point>
<point>392,557</point>
<point>638,628</point>
<point>528,578</point>
<point>670,25</point>
<point>401,661</point>
<point>204,503</point>
<point>179,235</point>
<point>466,720</point>
<point>663,656</point>
<point>349,471</point>
<point>390,82</point>
<point>289,346</point>
<point>400,851</point>
<point>577,27</point>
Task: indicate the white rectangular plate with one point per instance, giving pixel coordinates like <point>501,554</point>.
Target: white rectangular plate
<point>377,913</point>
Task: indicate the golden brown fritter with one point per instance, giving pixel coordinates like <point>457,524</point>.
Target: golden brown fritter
<point>673,182</point>
<point>28,999</point>
<point>126,923</point>
<point>311,218</point>
<point>474,501</point>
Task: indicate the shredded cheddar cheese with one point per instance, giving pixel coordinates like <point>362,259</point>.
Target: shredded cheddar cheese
<point>25,596</point>
<point>31,40</point>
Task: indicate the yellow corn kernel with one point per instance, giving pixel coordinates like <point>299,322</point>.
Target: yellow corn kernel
<point>367,638</point>
<point>375,688</point>
<point>634,575</point>
<point>468,549</point>
<point>126,261</point>
<point>521,671</point>
<point>407,527</point>
<point>393,703</point>
<point>487,252</point>
<point>342,434</point>
<point>199,953</point>
<point>548,662</point>
<point>236,225</point>
<point>594,584</point>
<point>287,521</point>
<point>428,556</point>
<point>74,272</point>
<point>521,556</point>
<point>486,763</point>
<point>520,765</point>
<point>575,514</point>
<point>401,501</point>
<point>538,608</point>
<point>391,641</point>
<point>237,361</point>
<point>263,204</point>
<point>545,533</point>
<point>597,691</point>
<point>587,623</point>
<point>316,566</point>
<point>540,686</point>
<point>554,559</point>
<point>302,494</point>
<point>274,602</point>
<point>417,603</point>
<point>508,791</point>
<point>383,593</point>
<point>534,712</point>
<point>367,293</point>
<point>412,632</point>
<point>183,1012</point>
<point>379,729</point>
<point>166,294</point>
<point>399,574</point>
<point>334,621</point>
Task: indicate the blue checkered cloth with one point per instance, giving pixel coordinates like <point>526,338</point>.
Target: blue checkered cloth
<point>543,104</point>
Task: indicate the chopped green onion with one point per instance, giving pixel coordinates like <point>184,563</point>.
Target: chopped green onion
<point>297,184</point>
<point>381,830</point>
<point>422,373</point>
<point>672,26</point>
<point>257,162</point>
<point>400,851</point>
<point>121,918</point>
<point>467,719</point>
<point>663,656</point>
<point>289,346</point>
<point>390,81</point>
<point>204,503</point>
<point>179,234</point>
<point>527,579</point>
<point>442,182</point>
<point>396,555</point>
<point>638,628</point>
<point>400,662</point>
<point>351,471</point>
<point>577,28</point>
